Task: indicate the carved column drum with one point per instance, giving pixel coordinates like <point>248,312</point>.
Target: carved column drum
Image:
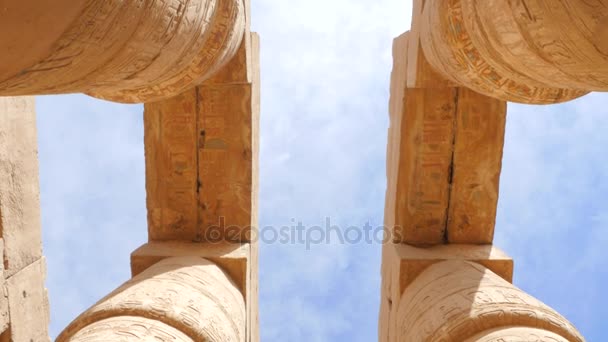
<point>185,299</point>
<point>528,51</point>
<point>455,301</point>
<point>120,50</point>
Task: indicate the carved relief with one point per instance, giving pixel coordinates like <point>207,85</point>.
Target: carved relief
<point>455,300</point>
<point>132,51</point>
<point>558,42</point>
<point>450,50</point>
<point>190,294</point>
<point>517,334</point>
<point>130,328</point>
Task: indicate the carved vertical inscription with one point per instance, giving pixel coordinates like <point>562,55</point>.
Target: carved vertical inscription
<point>427,131</point>
<point>480,130</point>
<point>171,167</point>
<point>225,162</point>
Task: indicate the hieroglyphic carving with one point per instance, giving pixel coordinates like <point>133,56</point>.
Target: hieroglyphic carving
<point>427,133</point>
<point>420,74</point>
<point>190,294</point>
<point>171,136</point>
<point>131,51</point>
<point>202,169</point>
<point>561,43</point>
<point>201,155</point>
<point>470,299</point>
<point>448,48</point>
<point>128,329</point>
<point>517,334</point>
<point>437,293</point>
<point>477,161</point>
<point>225,162</point>
<point>443,177</point>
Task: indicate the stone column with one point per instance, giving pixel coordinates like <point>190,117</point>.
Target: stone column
<point>24,311</point>
<point>196,278</point>
<point>528,51</point>
<point>457,300</point>
<point>180,298</point>
<point>442,279</point>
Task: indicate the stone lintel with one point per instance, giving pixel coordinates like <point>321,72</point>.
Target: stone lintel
<point>413,260</point>
<point>444,156</point>
<point>476,165</point>
<point>202,155</point>
<point>424,165</point>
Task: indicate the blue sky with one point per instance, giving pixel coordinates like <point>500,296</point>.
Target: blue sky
<point>325,78</point>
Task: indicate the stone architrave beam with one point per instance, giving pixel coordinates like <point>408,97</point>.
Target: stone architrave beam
<point>444,158</point>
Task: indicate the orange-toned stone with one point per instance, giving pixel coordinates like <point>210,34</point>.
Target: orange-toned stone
<point>449,48</point>
<point>476,166</point>
<point>455,301</point>
<point>190,294</point>
<point>123,52</point>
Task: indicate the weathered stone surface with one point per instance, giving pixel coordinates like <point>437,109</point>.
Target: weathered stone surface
<point>190,294</point>
<point>171,135</point>
<point>202,175</point>
<point>443,168</point>
<point>28,303</point>
<point>456,300</point>
<point>423,183</point>
<point>476,166</point>
<point>201,151</point>
<point>4,316</point>
<point>421,139</point>
<point>561,43</point>
<point>129,328</point>
<point>420,73</point>
<point>449,48</point>
<point>123,51</point>
<point>225,162</point>
<point>19,189</point>
<point>230,257</point>
<point>517,334</point>
<point>413,261</point>
<point>444,158</point>
<point>402,264</point>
